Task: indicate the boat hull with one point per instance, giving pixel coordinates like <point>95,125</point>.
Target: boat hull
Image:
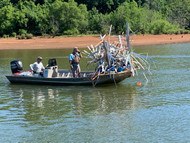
<point>101,79</point>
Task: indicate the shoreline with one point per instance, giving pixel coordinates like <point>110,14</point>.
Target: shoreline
<point>84,41</point>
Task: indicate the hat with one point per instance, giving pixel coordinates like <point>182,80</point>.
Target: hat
<point>39,58</point>
<point>75,48</point>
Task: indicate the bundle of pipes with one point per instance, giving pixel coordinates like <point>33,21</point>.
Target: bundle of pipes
<point>110,56</point>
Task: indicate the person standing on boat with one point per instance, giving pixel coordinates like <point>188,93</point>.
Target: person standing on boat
<point>74,59</point>
<point>37,67</point>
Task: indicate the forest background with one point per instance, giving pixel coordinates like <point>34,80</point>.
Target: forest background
<point>20,18</point>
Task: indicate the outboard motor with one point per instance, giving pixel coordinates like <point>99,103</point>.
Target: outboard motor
<point>52,62</point>
<point>16,66</point>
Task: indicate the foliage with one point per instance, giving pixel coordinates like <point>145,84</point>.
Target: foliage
<point>29,36</point>
<point>179,13</point>
<point>73,31</point>
<point>22,31</point>
<point>23,36</point>
<point>163,27</point>
<point>18,37</point>
<point>127,12</point>
<point>5,36</point>
<point>6,19</point>
<point>98,23</point>
<point>70,17</point>
<point>13,34</point>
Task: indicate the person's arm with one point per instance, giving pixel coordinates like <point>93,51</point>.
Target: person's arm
<point>31,67</point>
<point>70,60</point>
<point>42,68</point>
<point>80,55</point>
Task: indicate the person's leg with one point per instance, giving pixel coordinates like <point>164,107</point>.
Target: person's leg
<point>74,70</point>
<point>78,70</point>
<point>42,74</point>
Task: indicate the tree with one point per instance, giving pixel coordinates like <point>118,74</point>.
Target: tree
<point>69,17</point>
<point>157,5</point>
<point>4,3</point>
<point>147,18</point>
<point>59,17</point>
<point>162,27</point>
<point>98,22</point>
<point>6,19</point>
<point>126,12</point>
<point>103,6</point>
<point>179,12</point>
<point>36,15</point>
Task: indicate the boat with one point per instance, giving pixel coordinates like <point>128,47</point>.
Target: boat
<point>54,76</point>
<point>109,57</point>
<point>64,78</point>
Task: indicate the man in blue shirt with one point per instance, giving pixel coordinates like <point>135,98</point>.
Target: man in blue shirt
<point>74,59</point>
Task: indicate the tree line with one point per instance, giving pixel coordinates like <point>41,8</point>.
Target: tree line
<point>70,17</point>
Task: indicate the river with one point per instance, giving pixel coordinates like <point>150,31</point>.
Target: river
<point>155,112</point>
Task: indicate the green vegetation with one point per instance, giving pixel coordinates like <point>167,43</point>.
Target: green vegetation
<point>18,18</point>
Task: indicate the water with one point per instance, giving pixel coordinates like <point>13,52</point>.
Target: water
<point>157,112</point>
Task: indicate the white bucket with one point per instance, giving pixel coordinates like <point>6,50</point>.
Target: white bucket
<point>48,73</point>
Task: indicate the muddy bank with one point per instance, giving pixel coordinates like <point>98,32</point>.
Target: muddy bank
<point>83,42</point>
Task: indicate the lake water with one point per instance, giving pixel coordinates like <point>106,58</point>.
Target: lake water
<point>156,112</point>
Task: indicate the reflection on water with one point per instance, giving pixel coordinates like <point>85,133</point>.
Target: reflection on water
<point>38,97</point>
<point>92,101</point>
<point>156,112</point>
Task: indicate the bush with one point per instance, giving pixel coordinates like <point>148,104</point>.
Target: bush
<point>23,36</point>
<point>186,31</point>
<point>5,36</point>
<point>171,31</point>
<point>13,34</point>
<point>163,27</point>
<point>29,36</point>
<point>89,32</point>
<point>71,32</point>
<point>181,31</point>
<point>46,36</point>
<point>22,31</point>
<point>177,32</point>
<point>104,31</point>
<point>18,37</point>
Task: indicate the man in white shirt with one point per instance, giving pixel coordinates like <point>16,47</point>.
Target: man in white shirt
<point>37,67</point>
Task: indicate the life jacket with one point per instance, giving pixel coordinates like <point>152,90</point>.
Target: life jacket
<point>76,59</point>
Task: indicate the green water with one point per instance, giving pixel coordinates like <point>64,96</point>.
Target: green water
<point>156,112</point>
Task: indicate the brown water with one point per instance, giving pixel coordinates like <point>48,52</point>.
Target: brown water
<point>156,112</point>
